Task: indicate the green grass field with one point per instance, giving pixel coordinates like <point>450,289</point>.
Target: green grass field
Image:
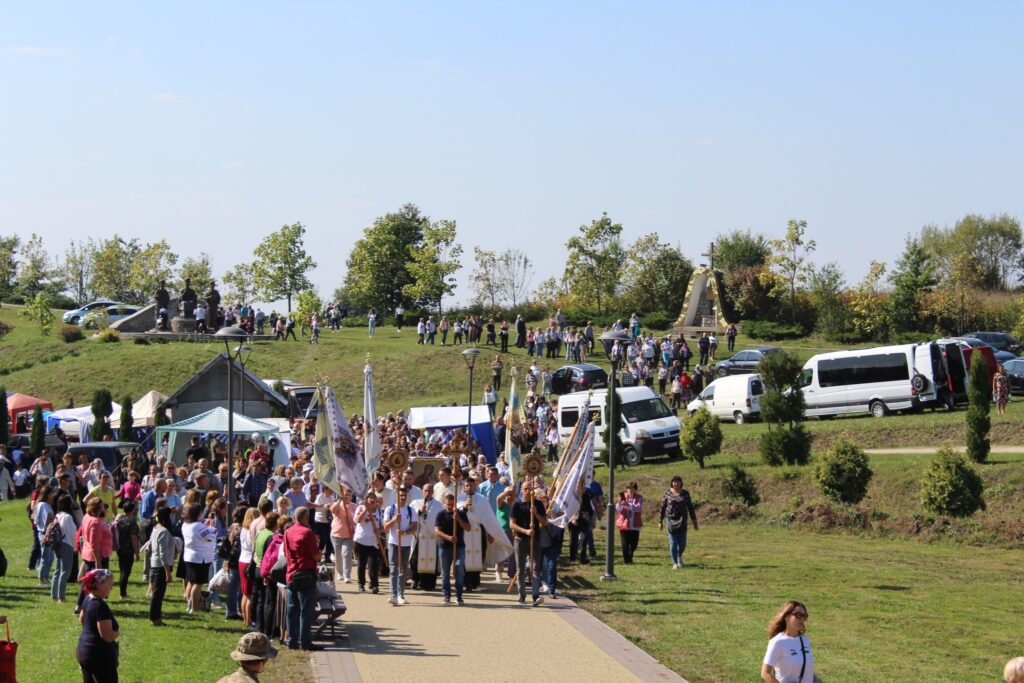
<point>894,594</point>
<point>193,648</point>
<point>881,610</point>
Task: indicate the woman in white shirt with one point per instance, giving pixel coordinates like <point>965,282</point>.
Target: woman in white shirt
<point>247,543</point>
<point>65,554</point>
<point>200,541</point>
<point>42,515</point>
<point>788,658</point>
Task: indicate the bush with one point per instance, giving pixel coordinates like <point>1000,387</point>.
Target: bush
<point>739,487</point>
<point>141,341</point>
<point>702,436</point>
<point>843,473</point>
<point>951,487</point>
<point>979,395</point>
<point>71,333</point>
<point>102,407</point>
<point>5,329</point>
<point>109,335</point>
<point>769,330</point>
<point>782,445</point>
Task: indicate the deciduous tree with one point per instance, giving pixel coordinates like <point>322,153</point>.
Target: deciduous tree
<point>35,270</point>
<point>281,266</point>
<point>377,267</point>
<point>486,288</point>
<point>238,285</point>
<point>8,265</point>
<point>199,270</point>
<point>433,265</point>
<point>826,289</point>
<point>38,309</point>
<point>515,272</point>
<point>789,260</point>
<point>654,276</point>
<point>595,262</point>
<point>78,266</point>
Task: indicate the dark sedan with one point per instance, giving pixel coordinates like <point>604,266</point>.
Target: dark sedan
<point>744,362</point>
<point>1000,341</point>
<point>1015,370</point>
<point>582,377</point>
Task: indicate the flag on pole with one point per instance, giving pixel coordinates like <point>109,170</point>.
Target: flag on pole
<point>514,419</point>
<point>572,445</point>
<point>566,502</point>
<point>337,458</point>
<point>371,447</point>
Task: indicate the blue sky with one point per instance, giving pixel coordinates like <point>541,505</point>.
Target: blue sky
<point>211,124</point>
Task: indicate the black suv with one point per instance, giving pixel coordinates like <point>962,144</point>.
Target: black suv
<point>744,362</point>
<point>582,377</point>
<point>1000,341</point>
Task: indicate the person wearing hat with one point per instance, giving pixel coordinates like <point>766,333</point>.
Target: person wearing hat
<point>252,654</point>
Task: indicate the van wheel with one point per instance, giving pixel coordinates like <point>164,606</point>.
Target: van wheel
<point>633,457</point>
<point>738,417</point>
<point>919,383</point>
<point>722,372</point>
<point>878,409</point>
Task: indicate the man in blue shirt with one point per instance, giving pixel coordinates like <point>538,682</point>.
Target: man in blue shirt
<point>492,488</point>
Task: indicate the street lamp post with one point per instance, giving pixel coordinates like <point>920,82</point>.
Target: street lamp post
<point>470,356</point>
<point>228,335</point>
<point>614,355</point>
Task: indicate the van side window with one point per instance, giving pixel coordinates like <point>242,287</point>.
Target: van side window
<point>708,394</point>
<point>806,377</point>
<point>569,417</point>
<point>756,389</point>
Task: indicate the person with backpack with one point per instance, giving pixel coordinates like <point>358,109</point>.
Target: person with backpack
<point>272,571</point>
<point>61,540</point>
<point>42,517</point>
<point>128,535</point>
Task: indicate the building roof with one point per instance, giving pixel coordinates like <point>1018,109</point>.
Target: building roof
<point>254,383</point>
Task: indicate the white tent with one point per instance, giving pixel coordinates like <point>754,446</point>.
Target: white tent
<point>144,410</point>
<point>215,422</point>
<point>77,422</point>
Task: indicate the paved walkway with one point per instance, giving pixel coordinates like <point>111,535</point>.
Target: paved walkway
<point>924,450</point>
<point>425,640</point>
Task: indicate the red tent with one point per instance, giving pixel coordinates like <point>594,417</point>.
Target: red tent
<point>23,403</point>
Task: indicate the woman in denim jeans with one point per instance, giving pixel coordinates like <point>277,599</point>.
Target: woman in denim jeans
<point>65,554</point>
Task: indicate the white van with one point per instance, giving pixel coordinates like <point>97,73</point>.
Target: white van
<point>876,381</point>
<point>648,425</point>
<point>736,398</point>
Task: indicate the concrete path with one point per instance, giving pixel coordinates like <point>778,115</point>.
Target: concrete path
<point>931,449</point>
<point>425,640</point>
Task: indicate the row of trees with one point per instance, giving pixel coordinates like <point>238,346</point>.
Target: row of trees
<point>130,270</point>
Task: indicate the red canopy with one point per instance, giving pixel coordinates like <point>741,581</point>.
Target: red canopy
<point>22,403</point>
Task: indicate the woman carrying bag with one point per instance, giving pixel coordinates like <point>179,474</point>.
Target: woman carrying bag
<point>788,658</point>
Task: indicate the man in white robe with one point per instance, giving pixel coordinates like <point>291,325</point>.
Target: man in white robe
<point>424,575</point>
<point>486,543</point>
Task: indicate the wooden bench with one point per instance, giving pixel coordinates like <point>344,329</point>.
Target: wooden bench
<point>331,610</point>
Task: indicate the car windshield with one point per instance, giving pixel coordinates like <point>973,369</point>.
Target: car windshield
<point>642,411</point>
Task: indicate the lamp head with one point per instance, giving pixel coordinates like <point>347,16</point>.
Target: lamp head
<point>470,355</point>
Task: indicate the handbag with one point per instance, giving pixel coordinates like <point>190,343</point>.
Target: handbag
<point>622,522</point>
<point>250,571</point>
<point>8,654</point>
<point>304,579</point>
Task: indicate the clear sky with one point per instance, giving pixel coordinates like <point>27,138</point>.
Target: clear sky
<point>212,124</point>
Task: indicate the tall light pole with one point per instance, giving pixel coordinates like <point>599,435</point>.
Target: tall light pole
<point>470,356</point>
<point>614,354</point>
<point>228,335</point>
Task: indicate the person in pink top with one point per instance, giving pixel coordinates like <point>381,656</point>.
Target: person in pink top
<point>97,541</point>
<point>131,489</point>
<point>343,527</point>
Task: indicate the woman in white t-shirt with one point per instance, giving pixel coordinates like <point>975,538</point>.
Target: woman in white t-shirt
<point>788,658</point>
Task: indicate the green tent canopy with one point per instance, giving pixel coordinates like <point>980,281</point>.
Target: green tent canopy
<point>213,421</point>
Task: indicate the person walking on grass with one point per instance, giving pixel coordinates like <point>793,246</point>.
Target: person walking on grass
<point>676,506</point>
<point>788,658</point>
<point>161,562</point>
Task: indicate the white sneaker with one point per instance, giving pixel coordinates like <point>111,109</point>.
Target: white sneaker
<point>401,600</point>
<point>346,580</point>
<point>675,565</point>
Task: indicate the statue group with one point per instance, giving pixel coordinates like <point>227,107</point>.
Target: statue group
<point>188,303</point>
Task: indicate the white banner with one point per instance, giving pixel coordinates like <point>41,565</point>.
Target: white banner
<point>371,447</point>
<point>566,503</point>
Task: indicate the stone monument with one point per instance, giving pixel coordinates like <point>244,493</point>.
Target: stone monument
<point>185,321</point>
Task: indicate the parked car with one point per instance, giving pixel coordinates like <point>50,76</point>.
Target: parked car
<point>74,317</point>
<point>96,317</point>
<point>581,377</point>
<point>1015,371</point>
<point>744,362</point>
<point>1000,356</point>
<point>1000,341</point>
<point>731,398</point>
<point>21,442</point>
